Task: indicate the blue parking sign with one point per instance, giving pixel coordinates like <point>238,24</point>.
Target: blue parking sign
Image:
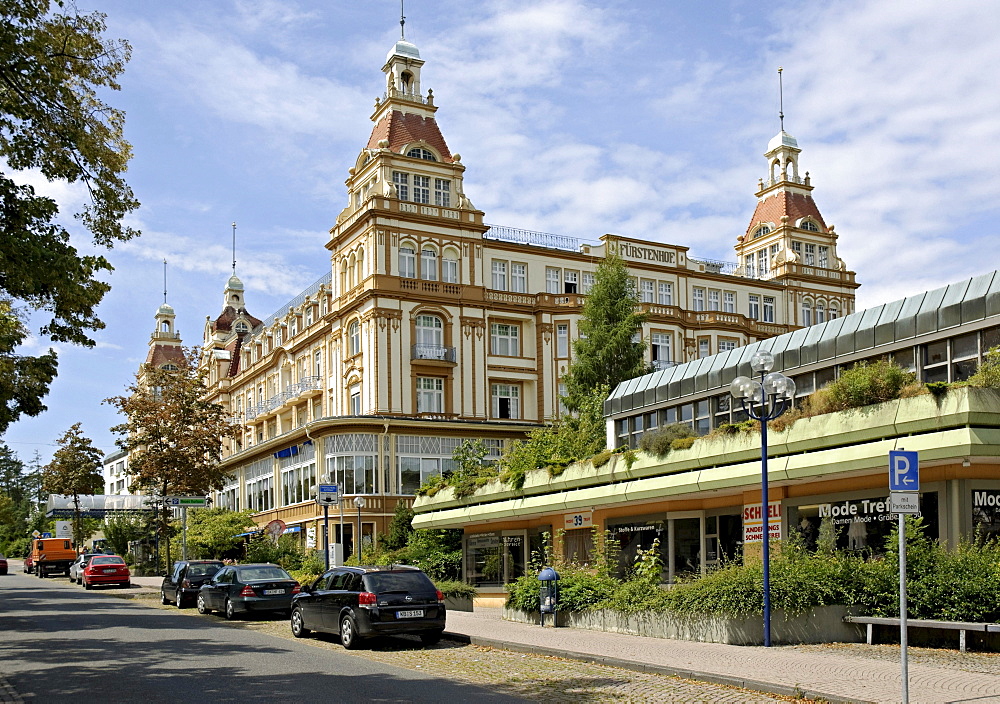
<point>904,471</point>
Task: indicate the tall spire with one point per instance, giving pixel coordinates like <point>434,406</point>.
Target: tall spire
<point>781,102</point>
<point>164,281</point>
<point>234,248</point>
<point>402,22</point>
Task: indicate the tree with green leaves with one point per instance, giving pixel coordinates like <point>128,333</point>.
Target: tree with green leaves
<point>75,470</point>
<point>55,64</point>
<point>607,352</point>
<point>213,532</point>
<point>121,528</point>
<point>172,433</point>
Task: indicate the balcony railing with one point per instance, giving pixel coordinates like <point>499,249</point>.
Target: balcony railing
<point>540,239</point>
<point>292,392</point>
<point>422,351</point>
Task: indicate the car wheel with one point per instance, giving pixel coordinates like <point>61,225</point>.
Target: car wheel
<point>348,633</point>
<point>299,629</point>
<point>202,606</point>
<point>180,601</point>
<point>86,584</point>
<point>163,598</point>
<point>431,638</point>
<point>230,610</point>
<point>41,573</point>
<point>126,585</point>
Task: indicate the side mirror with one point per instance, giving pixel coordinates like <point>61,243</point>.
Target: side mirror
<point>306,589</point>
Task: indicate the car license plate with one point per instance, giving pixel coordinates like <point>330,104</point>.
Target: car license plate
<point>269,592</point>
<point>110,571</point>
<point>415,613</point>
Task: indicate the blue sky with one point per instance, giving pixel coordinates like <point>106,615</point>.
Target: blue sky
<point>645,119</point>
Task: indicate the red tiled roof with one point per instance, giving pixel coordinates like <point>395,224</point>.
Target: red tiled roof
<point>229,315</point>
<point>402,129</point>
<point>162,354</point>
<point>234,348</point>
<point>794,205</point>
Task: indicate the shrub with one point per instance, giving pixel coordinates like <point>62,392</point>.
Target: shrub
<point>659,442</point>
<point>456,589</point>
<point>864,384</point>
<point>682,443</point>
<point>988,374</point>
<point>601,458</point>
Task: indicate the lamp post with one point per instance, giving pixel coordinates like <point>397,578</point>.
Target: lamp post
<point>359,501</point>
<point>764,400</point>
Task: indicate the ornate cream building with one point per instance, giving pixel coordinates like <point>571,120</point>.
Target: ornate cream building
<point>433,327</point>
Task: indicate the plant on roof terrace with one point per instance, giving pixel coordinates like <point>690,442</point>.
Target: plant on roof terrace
<point>660,442</point>
<point>988,374</point>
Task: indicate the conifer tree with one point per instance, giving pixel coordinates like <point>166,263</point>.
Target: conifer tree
<point>606,353</point>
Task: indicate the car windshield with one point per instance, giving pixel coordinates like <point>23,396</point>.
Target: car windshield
<point>253,574</point>
<point>203,570</point>
<point>108,561</point>
<point>383,582</point>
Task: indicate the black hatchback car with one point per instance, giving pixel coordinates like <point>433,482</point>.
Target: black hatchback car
<point>181,586</point>
<point>360,602</point>
<point>256,587</point>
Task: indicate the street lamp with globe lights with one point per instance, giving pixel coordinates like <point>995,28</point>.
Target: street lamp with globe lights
<point>359,501</point>
<point>764,400</point>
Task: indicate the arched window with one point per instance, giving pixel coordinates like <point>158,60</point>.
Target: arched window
<point>421,153</point>
<point>834,312</point>
<point>820,313</point>
<point>168,367</point>
<point>354,338</point>
<point>164,326</point>
<point>430,337</point>
<point>242,327</point>
<point>806,313</point>
<point>810,226</point>
<point>407,261</point>
<point>428,264</point>
<point>449,266</point>
<point>761,231</point>
<point>352,264</point>
<point>343,278</point>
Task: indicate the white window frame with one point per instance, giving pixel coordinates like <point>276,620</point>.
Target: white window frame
<point>562,340</point>
<point>728,301</point>
<point>421,189</point>
<point>665,293</point>
<point>430,394</point>
<point>505,339</point>
<point>753,306</point>
<point>428,264</point>
<point>442,192</point>
<point>407,262</point>
<point>499,271</point>
<point>511,393</point>
<point>553,276</point>
<point>768,309</point>
<point>401,180</point>
<point>697,299</point>
<point>518,277</point>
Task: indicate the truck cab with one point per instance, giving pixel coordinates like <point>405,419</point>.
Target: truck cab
<point>52,555</point>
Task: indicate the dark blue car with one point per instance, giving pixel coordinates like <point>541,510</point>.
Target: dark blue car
<point>237,589</point>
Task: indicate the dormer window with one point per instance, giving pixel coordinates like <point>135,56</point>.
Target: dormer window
<point>421,153</point>
<point>242,327</point>
<point>761,231</point>
<point>169,367</point>
<point>810,226</point>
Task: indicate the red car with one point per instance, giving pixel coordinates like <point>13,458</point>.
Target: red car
<point>29,564</point>
<point>3,564</point>
<point>106,569</point>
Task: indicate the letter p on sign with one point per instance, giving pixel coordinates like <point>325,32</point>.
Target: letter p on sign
<point>904,471</point>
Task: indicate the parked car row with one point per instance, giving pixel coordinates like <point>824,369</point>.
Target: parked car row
<point>353,603</point>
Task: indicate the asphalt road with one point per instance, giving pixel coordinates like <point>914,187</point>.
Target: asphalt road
<point>59,643</point>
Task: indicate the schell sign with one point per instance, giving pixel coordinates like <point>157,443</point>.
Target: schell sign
<point>753,522</point>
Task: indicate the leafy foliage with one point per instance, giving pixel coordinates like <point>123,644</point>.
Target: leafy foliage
<point>172,434</point>
<point>400,528</point>
<point>75,470</point>
<point>988,374</point>
<point>606,353</point>
<point>864,384</point>
<point>53,66</point>
<point>659,442</point>
<point>121,528</point>
<point>212,532</point>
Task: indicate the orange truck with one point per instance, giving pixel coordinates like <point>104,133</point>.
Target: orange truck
<point>52,555</point>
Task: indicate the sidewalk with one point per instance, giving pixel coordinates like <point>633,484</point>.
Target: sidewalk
<point>823,674</point>
<point>815,673</point>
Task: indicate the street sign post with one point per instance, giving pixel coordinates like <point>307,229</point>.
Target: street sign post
<point>904,471</point>
<point>904,502</point>
<point>904,498</point>
<point>328,495</point>
<point>187,501</point>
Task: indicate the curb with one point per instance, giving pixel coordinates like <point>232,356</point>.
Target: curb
<point>755,685</point>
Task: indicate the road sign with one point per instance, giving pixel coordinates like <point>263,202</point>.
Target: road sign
<point>904,471</point>
<point>328,495</point>
<point>36,534</point>
<point>188,501</point>
<point>904,502</point>
<point>46,534</point>
<point>275,528</point>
